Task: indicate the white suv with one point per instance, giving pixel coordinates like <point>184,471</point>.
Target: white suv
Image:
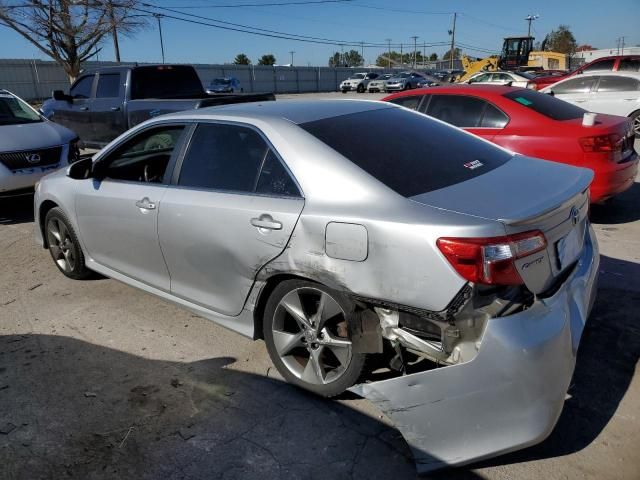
<point>357,82</point>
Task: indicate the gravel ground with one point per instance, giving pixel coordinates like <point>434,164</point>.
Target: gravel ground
<point>99,380</point>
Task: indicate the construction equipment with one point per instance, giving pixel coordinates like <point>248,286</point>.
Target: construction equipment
<point>517,52</point>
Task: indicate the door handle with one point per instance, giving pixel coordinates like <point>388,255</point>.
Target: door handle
<point>84,109</point>
<point>115,109</point>
<point>266,222</point>
<point>579,101</point>
<point>145,204</point>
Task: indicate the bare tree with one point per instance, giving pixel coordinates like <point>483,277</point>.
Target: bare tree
<point>69,31</point>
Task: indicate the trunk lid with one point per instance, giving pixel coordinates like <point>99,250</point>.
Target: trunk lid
<point>528,194</point>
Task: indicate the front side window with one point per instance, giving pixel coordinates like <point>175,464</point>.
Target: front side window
<point>485,77</point>
<point>461,111</point>
<point>411,102</point>
<point>82,88</point>
<point>14,111</point>
<point>575,85</point>
<point>108,85</point>
<point>145,157</point>
<point>411,154</point>
<point>600,65</point>
<point>609,83</point>
<point>236,159</point>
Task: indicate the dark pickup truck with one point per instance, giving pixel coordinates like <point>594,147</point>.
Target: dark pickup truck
<point>105,102</point>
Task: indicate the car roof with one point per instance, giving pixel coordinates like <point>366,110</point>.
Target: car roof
<point>480,90</point>
<point>599,73</point>
<point>296,111</point>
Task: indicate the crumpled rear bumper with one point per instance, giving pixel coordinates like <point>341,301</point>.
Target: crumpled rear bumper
<point>510,395</point>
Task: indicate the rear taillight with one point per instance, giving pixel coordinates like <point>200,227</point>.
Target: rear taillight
<point>602,143</point>
<point>491,260</point>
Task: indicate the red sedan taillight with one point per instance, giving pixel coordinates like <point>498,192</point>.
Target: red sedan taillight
<point>490,261</point>
<point>611,142</point>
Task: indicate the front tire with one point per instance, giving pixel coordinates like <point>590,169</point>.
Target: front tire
<point>64,246</point>
<point>635,120</point>
<point>360,88</point>
<point>306,333</point>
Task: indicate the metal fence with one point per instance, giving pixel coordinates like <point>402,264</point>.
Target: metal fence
<point>36,79</point>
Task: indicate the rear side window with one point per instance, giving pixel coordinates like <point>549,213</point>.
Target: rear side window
<point>223,157</point>
<point>108,85</point>
<point>609,83</point>
<point>409,153</point>
<point>629,65</point>
<point>601,65</point>
<point>411,102</point>
<point>458,110</point>
<point>82,88</point>
<point>493,118</point>
<point>546,105</point>
<point>578,84</point>
<point>275,180</point>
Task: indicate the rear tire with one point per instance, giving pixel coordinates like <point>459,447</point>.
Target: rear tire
<point>635,120</point>
<point>64,246</point>
<point>360,88</point>
<point>306,333</point>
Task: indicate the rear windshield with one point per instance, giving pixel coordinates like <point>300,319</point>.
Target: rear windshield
<point>545,104</point>
<point>408,152</point>
<point>165,82</point>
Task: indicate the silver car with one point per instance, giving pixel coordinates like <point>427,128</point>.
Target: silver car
<point>465,269</point>
<point>30,145</point>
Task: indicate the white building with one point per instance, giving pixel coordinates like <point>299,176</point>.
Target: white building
<point>590,55</point>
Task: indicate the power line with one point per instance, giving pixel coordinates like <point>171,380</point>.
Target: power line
<point>272,4</point>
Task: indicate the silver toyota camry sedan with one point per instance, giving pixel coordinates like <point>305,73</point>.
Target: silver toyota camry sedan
<point>464,269</point>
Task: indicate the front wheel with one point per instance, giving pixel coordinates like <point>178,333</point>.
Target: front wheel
<point>64,246</point>
<point>635,120</point>
<point>360,88</point>
<point>307,337</point>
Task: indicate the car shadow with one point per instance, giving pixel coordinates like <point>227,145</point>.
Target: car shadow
<point>620,209</point>
<point>69,408</point>
<point>607,357</point>
<point>15,210</point>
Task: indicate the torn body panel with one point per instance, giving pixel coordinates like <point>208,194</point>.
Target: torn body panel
<point>510,395</point>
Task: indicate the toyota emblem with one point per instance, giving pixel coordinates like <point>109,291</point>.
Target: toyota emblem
<point>574,215</point>
<point>33,158</point>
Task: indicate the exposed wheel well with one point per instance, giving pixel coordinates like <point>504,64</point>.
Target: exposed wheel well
<point>265,293</point>
<point>44,209</point>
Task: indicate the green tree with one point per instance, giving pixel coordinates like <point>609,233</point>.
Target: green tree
<point>267,59</point>
<point>399,60</point>
<point>457,53</point>
<point>433,57</point>
<point>352,58</point>
<point>561,41</point>
<point>242,59</point>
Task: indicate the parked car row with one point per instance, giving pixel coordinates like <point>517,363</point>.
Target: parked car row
<point>388,82</point>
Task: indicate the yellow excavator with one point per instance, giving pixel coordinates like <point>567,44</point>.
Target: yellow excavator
<point>517,52</point>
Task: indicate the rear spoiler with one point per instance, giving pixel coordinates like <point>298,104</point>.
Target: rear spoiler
<point>227,99</point>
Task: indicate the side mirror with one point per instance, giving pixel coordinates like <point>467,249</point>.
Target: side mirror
<point>80,170</point>
<point>61,96</point>
<point>551,92</point>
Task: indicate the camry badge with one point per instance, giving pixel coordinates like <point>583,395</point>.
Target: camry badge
<point>33,158</point>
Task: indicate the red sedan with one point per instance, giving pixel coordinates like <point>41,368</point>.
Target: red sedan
<point>537,125</point>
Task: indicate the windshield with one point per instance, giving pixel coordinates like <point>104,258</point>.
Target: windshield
<point>14,111</point>
<point>408,152</point>
<point>545,104</point>
<point>165,81</point>
<point>221,81</point>
<point>356,76</point>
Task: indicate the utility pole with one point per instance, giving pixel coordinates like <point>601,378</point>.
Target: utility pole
<point>401,56</point>
<point>452,32</point>
<point>292,52</point>
<point>362,49</point>
<point>424,55</point>
<point>388,40</point>
<point>341,56</point>
<point>531,18</point>
<point>158,17</point>
<point>114,30</point>
<point>415,38</point>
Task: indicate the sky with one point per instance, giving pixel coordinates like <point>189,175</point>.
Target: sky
<point>480,24</point>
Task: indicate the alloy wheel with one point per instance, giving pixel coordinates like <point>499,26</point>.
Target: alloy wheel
<point>61,245</point>
<point>636,125</point>
<point>310,336</point>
